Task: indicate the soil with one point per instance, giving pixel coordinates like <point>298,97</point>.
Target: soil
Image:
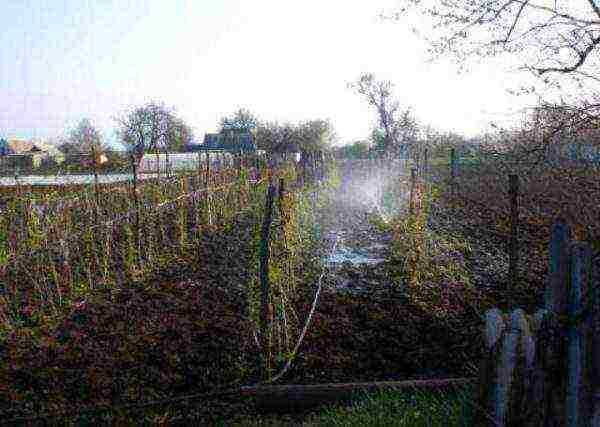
<point>363,328</point>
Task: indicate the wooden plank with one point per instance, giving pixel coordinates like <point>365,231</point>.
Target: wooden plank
<point>299,397</point>
<point>493,332</point>
<point>558,269</point>
<point>538,377</point>
<point>555,346</point>
<point>578,388</point>
<point>513,249</point>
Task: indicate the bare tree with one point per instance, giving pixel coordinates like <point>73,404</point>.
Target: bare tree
<point>556,41</point>
<point>397,126</point>
<point>550,36</point>
<point>378,94</point>
<point>152,127</point>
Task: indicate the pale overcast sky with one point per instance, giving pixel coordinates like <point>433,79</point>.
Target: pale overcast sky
<point>62,60</point>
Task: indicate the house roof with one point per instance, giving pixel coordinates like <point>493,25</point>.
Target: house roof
<point>18,146</point>
<point>22,146</point>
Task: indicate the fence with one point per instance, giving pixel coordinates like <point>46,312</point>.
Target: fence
<point>105,235</point>
<point>544,370</point>
<point>113,251</point>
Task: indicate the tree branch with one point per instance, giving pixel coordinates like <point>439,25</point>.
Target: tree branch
<point>514,24</point>
<point>583,55</point>
<point>595,7</point>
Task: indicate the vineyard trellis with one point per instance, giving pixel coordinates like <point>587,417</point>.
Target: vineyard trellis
<point>109,252</point>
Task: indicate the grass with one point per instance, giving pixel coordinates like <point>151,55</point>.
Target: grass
<point>387,408</point>
<point>384,408</point>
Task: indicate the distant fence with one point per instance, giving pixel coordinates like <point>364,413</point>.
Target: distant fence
<point>544,370</point>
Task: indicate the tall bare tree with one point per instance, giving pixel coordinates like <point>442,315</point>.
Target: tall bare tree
<point>378,93</point>
<point>397,125</point>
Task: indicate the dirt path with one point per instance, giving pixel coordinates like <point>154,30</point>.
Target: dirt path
<point>356,266</point>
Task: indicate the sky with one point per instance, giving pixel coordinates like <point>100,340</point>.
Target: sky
<point>63,60</point>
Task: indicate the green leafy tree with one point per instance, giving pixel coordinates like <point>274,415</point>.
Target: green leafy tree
<point>83,138</point>
<point>308,136</point>
<point>316,135</point>
<point>241,121</point>
<point>355,150</point>
<point>180,135</point>
<point>275,137</point>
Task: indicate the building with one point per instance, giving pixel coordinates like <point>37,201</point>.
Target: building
<point>229,141</point>
<point>27,154</point>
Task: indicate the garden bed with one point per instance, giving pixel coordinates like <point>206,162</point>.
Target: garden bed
<point>186,330</point>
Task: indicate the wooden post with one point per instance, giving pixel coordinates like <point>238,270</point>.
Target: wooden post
<point>281,197</point>
<point>594,353</point>
<point>304,160</point>
<point>137,205</point>
<point>207,188</point>
<point>157,164</point>
<point>453,171</point>
<point>426,164</point>
<point>265,321</point>
<point>579,392</point>
<point>96,186</point>
<point>257,165</point>
<point>513,249</point>
<point>207,177</point>
<point>554,356</point>
<point>413,183</point>
<point>199,168</point>
<point>558,269</point>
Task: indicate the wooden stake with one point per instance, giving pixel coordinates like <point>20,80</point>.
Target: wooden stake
<point>264,282</point>
<point>513,249</point>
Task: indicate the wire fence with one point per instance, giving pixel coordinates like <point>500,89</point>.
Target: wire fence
<point>515,201</point>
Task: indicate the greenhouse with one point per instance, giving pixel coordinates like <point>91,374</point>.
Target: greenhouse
<point>176,162</point>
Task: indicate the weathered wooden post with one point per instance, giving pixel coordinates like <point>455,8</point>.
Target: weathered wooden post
<point>281,197</point>
<point>257,166</point>
<point>199,169</point>
<point>554,357</point>
<point>265,311</point>
<point>513,249</point>
<point>579,388</point>
<point>95,160</point>
<point>304,161</point>
<point>157,164</point>
<point>207,176</point>
<point>453,172</point>
<point>137,204</point>
<point>413,183</point>
<point>207,186</point>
